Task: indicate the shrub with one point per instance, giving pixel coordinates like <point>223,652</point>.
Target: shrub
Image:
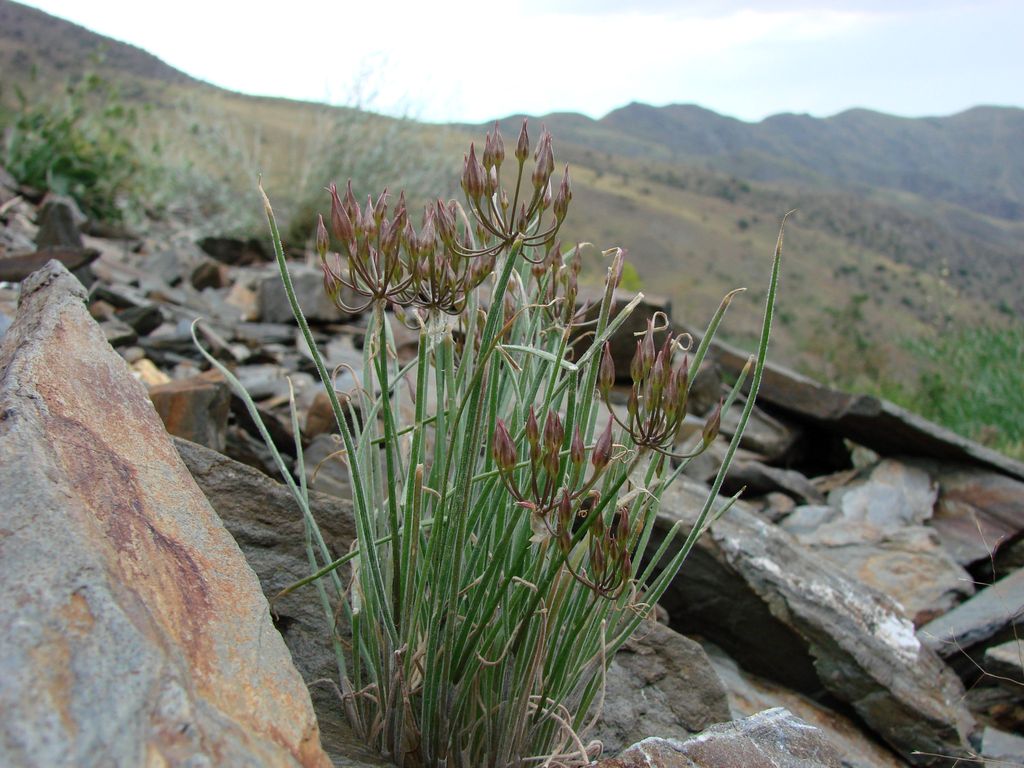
<point>503,506</point>
<point>79,145</point>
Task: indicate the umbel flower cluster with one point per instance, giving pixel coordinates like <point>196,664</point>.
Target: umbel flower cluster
<point>436,268</point>
<point>503,503</point>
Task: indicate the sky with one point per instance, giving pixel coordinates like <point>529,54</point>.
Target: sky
<point>475,60</point>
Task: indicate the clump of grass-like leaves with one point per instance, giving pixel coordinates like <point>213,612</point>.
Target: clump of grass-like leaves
<point>503,513</point>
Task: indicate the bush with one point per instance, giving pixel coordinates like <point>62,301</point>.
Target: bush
<point>502,520</point>
<point>79,145</point>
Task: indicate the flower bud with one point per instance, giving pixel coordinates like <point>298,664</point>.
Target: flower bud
<point>577,451</point>
<point>606,373</point>
<point>498,149</point>
<point>561,203</point>
<point>473,176</point>
<point>712,425</point>
<point>523,144</point>
<point>322,240</point>
<point>503,449</point>
<point>564,512</point>
<point>340,221</point>
<point>487,159</point>
<point>602,448</point>
<point>554,433</point>
<point>647,351</point>
<point>614,276</point>
<point>532,429</point>
<point>636,365</point>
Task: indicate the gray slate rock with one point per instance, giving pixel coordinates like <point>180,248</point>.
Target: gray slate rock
<point>987,618</point>
<point>60,221</point>
<point>309,289</point>
<point>877,424</point>
<point>775,738</point>
<point>787,614</point>
<point>659,682</point>
<point>133,631</point>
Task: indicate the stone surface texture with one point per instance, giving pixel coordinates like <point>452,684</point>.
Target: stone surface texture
<point>133,632</point>
<point>659,682</point>
<point>774,738</point>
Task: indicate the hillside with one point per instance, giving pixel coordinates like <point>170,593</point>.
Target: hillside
<point>906,228</point>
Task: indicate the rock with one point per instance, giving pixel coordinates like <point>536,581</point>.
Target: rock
<point>118,334</point>
<point>325,470</point>
<point>768,438</point>
<point>142,319</point>
<point>1007,660</point>
<point>267,524</point>
<point>643,693</point>
<point>775,738</point>
<point>60,221</point>
<point>134,633</point>
<point>749,694</point>
<point>990,617</point>
<point>998,745</point>
<point>195,408</point>
<point>309,289</point>
<point>808,518</point>
<point>209,274</point>
<point>787,614</point>
<point>320,417</point>
<point>893,495</point>
<point>234,251</point>
<point>877,424</point>
<point>908,564</point>
<point>17,267</point>
<point>760,479</point>
<point>147,373</point>
<point>978,511</point>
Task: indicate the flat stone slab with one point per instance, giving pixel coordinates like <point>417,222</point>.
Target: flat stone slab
<point>988,617</point>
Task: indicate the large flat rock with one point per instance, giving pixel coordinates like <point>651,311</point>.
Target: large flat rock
<point>877,424</point>
<point>133,631</point>
<point>790,615</point>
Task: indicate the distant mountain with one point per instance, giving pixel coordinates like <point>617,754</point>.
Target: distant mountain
<point>34,41</point>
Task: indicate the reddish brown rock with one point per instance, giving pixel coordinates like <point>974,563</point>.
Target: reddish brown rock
<point>195,408</point>
<point>133,632</point>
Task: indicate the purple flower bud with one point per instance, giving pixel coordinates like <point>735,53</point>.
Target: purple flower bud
<point>712,425</point>
<point>340,221</point>
<point>488,155</point>
<point>502,448</point>
<point>532,428</point>
<point>647,351</point>
<point>322,240</point>
<point>577,451</point>
<point>499,147</point>
<point>523,144</point>
<point>561,203</point>
<point>606,373</point>
<point>564,511</point>
<point>554,433</point>
<point>473,176</point>
<point>636,365</point>
<point>602,448</point>
<point>615,270</point>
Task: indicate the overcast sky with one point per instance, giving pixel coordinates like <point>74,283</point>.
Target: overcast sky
<point>473,60</point>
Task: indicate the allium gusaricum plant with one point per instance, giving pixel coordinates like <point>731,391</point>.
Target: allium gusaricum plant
<point>503,507</point>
